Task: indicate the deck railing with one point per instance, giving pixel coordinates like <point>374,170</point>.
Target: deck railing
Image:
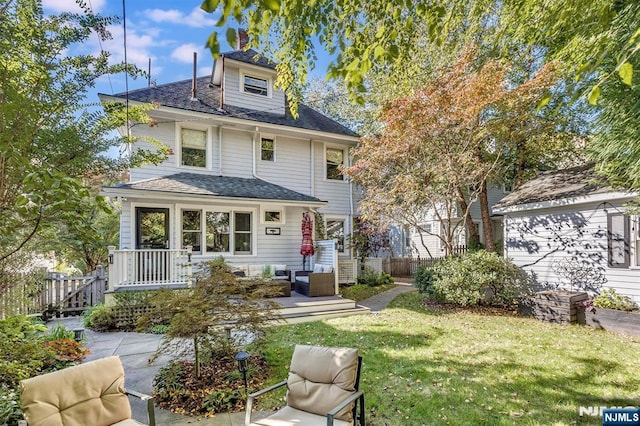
<point>149,268</point>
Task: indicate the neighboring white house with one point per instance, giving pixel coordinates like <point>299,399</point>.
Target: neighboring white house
<point>241,172</point>
<point>425,242</point>
<point>566,228</point>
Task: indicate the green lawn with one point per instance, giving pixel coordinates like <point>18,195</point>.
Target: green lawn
<point>359,292</point>
<point>425,367</point>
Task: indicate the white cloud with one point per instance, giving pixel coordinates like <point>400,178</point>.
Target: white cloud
<point>197,18</point>
<point>184,53</point>
<point>71,6</point>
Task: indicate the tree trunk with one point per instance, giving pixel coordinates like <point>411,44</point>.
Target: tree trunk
<point>521,165</point>
<point>472,230</point>
<point>485,213</point>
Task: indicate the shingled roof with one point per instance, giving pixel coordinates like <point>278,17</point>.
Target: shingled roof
<point>555,185</point>
<point>178,95</point>
<point>218,186</point>
<point>250,57</point>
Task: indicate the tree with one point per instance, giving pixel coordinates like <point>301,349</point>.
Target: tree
<point>49,142</point>
<point>450,140</point>
<point>380,37</point>
<point>218,299</point>
<point>615,147</point>
<point>330,98</point>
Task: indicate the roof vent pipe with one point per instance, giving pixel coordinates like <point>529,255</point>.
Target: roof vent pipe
<point>193,83</point>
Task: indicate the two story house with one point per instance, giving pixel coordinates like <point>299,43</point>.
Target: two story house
<point>241,173</point>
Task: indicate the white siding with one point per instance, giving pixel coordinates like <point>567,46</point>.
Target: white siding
<point>292,165</point>
<point>234,96</point>
<point>334,191</point>
<point>540,239</point>
<point>126,225</point>
<point>164,133</point>
<point>237,160</point>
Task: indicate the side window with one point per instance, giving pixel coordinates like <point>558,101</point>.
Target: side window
<point>335,158</point>
<point>193,148</point>
<point>618,240</point>
<point>217,232</point>
<point>242,233</point>
<point>191,235</point>
<point>268,149</point>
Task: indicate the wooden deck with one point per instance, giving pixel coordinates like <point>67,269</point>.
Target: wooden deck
<point>299,308</point>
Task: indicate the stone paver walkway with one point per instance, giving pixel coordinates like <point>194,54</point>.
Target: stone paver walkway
<point>135,350</point>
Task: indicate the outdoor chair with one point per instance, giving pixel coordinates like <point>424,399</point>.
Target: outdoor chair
<point>87,394</point>
<point>322,389</point>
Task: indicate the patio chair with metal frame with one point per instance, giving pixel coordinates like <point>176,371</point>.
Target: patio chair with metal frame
<point>322,389</point>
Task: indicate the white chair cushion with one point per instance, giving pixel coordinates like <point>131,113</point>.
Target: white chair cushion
<point>279,268</point>
<point>303,279</point>
<point>255,270</point>
<point>318,267</point>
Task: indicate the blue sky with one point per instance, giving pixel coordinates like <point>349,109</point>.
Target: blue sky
<point>166,31</point>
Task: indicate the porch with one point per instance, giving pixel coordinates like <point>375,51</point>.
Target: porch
<point>149,269</point>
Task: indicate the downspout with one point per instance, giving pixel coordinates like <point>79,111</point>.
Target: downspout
<point>219,150</point>
<point>254,158</point>
<point>312,187</point>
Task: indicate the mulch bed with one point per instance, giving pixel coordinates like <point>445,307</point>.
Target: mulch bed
<point>451,308</point>
<point>220,387</point>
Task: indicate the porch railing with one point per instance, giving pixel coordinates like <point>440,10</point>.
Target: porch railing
<point>149,268</point>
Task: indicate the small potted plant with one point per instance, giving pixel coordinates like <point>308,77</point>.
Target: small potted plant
<point>612,312</point>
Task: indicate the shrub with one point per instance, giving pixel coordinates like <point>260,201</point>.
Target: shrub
<point>59,332</point>
<point>22,354</point>
<point>9,406</point>
<point>67,352</point>
<point>480,277</point>
<point>371,278</point>
<point>610,299</point>
<point>424,279</point>
<point>99,318</point>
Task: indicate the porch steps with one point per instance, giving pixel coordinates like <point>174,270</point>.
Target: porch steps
<point>297,309</point>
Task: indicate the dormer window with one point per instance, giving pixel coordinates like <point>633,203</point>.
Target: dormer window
<point>255,85</point>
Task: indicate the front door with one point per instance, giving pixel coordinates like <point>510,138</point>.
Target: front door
<point>152,227</point>
<point>152,242</point>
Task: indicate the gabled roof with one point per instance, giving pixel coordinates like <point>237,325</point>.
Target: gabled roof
<point>250,57</point>
<point>217,186</point>
<point>575,182</point>
<point>178,95</point>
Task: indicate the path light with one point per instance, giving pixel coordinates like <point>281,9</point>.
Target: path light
<point>78,334</point>
<point>243,367</point>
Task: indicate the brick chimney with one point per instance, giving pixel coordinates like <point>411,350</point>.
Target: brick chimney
<point>242,40</point>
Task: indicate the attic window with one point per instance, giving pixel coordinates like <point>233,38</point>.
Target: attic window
<point>255,85</point>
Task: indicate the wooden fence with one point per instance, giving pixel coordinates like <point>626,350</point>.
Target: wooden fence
<point>407,267</point>
<point>54,294</point>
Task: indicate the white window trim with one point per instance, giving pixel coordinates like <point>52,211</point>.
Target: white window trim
<point>224,209</point>
<point>264,209</point>
<point>260,76</point>
<point>345,161</point>
<point>273,138</point>
<point>208,147</point>
<point>634,242</point>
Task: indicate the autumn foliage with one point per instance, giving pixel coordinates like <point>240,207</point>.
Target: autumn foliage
<point>442,146</point>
